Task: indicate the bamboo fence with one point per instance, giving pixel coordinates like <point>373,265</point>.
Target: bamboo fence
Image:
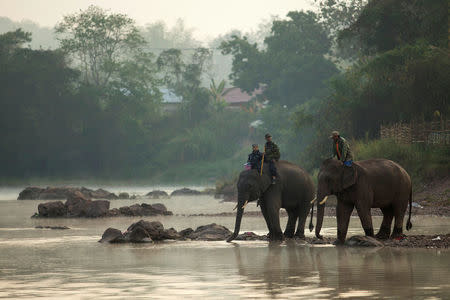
<point>426,132</point>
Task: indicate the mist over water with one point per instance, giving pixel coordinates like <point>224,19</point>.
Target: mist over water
<point>71,263</point>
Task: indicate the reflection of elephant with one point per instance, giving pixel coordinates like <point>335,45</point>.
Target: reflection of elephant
<point>369,183</point>
<point>293,191</point>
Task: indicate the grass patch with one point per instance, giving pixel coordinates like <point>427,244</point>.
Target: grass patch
<point>423,162</point>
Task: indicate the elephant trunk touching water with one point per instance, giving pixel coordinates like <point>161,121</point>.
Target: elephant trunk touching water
<point>242,200</point>
<point>293,191</point>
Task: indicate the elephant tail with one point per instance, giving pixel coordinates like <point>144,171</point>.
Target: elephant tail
<point>409,224</point>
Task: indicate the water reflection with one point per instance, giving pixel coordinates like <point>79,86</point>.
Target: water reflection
<point>323,272</point>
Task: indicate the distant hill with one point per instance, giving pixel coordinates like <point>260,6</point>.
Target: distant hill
<point>42,37</point>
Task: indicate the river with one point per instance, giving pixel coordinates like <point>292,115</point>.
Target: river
<point>72,264</point>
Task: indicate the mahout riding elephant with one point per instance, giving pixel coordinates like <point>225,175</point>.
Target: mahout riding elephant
<point>293,191</point>
<point>367,184</point>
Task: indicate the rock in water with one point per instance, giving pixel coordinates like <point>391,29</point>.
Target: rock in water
<point>52,209</point>
<point>363,241</point>
<point>112,235</point>
<point>138,235</point>
<point>156,194</point>
<point>124,196</point>
<point>97,208</point>
<point>185,192</point>
<point>155,229</point>
<point>211,232</point>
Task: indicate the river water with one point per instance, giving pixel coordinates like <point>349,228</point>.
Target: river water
<point>72,264</point>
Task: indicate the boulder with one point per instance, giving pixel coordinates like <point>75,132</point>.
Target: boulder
<point>363,241</point>
<point>124,196</point>
<point>171,234</point>
<point>102,194</point>
<point>155,229</point>
<point>211,232</point>
<point>97,208</point>
<point>251,236</point>
<point>138,235</point>
<point>52,209</point>
<point>186,232</point>
<point>125,211</point>
<point>30,193</point>
<point>156,194</point>
<point>112,235</point>
<point>77,205</point>
<point>161,209</point>
<point>185,192</point>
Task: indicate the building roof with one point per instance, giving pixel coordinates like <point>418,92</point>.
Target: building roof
<point>235,95</point>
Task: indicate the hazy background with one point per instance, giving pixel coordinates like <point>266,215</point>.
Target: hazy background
<point>207,18</point>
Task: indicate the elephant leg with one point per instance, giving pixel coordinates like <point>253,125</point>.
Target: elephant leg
<point>266,217</point>
<point>290,226</point>
<point>273,215</point>
<point>302,216</point>
<point>343,213</point>
<point>398,224</point>
<point>365,217</point>
<point>385,228</point>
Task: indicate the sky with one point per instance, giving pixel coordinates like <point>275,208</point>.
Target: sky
<point>208,18</point>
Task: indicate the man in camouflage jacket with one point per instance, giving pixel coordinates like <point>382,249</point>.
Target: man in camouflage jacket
<point>271,155</point>
<point>341,149</point>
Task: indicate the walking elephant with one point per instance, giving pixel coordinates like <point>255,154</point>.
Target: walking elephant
<point>293,191</point>
<point>367,184</point>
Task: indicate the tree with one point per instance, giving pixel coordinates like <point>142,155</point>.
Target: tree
<point>385,24</point>
<point>292,63</point>
<point>99,41</point>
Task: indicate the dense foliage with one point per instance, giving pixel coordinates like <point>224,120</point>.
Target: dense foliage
<point>95,109</point>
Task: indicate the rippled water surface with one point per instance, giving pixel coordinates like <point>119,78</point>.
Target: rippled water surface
<point>72,264</point>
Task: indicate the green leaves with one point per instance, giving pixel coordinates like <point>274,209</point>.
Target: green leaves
<point>98,41</point>
<point>292,65</point>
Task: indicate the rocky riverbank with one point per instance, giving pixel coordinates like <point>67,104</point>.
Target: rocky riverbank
<point>148,232</point>
<point>50,193</point>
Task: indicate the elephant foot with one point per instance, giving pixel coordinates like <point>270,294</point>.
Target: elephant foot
<point>338,242</point>
<point>319,236</point>
<point>288,235</point>
<point>368,231</point>
<point>300,236</point>
<point>276,237</point>
<point>397,234</point>
<point>383,234</point>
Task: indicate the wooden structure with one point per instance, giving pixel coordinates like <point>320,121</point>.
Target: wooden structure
<point>426,132</point>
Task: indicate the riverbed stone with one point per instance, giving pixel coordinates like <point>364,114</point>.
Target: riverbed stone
<point>211,232</point>
<point>52,209</point>
<point>185,192</point>
<point>363,241</point>
<point>112,235</point>
<point>156,194</point>
<point>155,229</point>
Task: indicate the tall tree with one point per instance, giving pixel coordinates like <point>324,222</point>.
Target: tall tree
<point>99,40</point>
<point>292,63</point>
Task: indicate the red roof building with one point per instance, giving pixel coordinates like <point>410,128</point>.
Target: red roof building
<point>235,97</point>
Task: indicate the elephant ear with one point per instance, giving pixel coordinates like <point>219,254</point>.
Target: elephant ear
<point>349,177</point>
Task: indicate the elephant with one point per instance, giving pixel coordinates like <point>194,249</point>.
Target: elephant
<point>293,191</point>
<point>366,184</point>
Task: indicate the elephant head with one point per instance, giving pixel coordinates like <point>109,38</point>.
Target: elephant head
<point>251,185</point>
<point>333,179</point>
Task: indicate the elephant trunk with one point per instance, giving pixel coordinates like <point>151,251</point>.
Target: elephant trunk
<point>321,199</point>
<point>240,212</point>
